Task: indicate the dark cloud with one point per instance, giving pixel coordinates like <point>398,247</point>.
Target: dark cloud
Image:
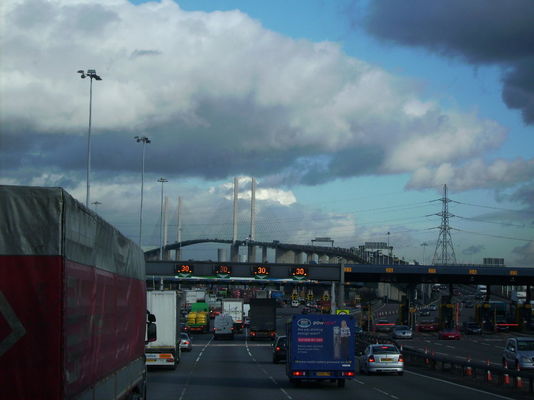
<point>478,31</point>
<point>525,254</point>
<point>141,53</point>
<point>472,250</point>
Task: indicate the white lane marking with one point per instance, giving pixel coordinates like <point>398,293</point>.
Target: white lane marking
<point>385,393</point>
<point>458,385</point>
<point>451,347</point>
<point>358,381</point>
<point>263,369</point>
<point>193,368</point>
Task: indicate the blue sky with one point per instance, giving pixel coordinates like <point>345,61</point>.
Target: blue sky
<point>350,119</point>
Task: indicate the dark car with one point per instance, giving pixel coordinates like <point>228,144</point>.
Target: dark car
<point>471,328</point>
<point>279,349</point>
<point>425,312</point>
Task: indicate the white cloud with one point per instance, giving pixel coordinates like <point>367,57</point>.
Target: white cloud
<point>474,174</point>
<point>219,83</point>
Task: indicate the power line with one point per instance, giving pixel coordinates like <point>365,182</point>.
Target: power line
<point>494,236</point>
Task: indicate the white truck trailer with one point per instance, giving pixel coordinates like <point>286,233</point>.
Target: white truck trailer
<point>234,308</point>
<point>165,351</point>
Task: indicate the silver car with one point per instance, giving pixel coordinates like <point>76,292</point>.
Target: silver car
<point>381,358</point>
<point>185,342</point>
<point>519,353</point>
<point>402,332</point>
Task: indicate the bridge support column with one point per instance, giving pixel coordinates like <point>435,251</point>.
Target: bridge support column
<point>264,254</point>
<point>178,254</point>
<point>234,252</point>
<point>300,258</point>
<point>312,258</point>
<point>251,253</point>
<point>221,255</point>
<point>285,256</point>
<point>324,259</point>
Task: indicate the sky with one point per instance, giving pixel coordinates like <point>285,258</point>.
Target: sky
<point>351,116</point>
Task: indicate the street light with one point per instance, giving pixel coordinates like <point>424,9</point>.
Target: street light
<point>91,73</point>
<point>162,180</point>
<point>144,140</point>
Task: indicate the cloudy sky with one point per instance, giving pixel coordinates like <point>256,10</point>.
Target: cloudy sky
<point>351,115</point>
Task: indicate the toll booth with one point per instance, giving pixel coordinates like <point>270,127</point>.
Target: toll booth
<point>523,316</point>
<point>485,316</point>
<point>366,317</point>
<point>446,313</point>
<point>404,311</point>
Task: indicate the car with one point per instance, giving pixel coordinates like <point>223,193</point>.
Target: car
<point>519,353</point>
<point>401,332</point>
<point>432,307</point>
<point>502,326</point>
<point>427,325</point>
<point>279,349</point>
<point>471,328</point>
<point>384,326</point>
<point>425,312</point>
<point>185,342</point>
<point>449,333</point>
<point>381,358</point>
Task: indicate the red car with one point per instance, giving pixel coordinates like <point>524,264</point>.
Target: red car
<point>427,326</point>
<point>449,333</point>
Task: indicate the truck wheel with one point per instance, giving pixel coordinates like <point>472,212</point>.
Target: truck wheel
<point>341,383</point>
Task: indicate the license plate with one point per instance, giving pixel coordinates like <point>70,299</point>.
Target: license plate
<point>386,359</point>
<point>323,374</point>
<point>151,360</point>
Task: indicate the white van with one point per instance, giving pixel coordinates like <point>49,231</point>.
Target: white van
<point>223,327</point>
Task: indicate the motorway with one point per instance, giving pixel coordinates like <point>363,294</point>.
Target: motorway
<point>244,370</point>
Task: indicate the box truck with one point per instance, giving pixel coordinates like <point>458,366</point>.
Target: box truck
<point>73,315</point>
<point>262,315</point>
<point>165,351</point>
<point>320,348</point>
<point>234,308</point>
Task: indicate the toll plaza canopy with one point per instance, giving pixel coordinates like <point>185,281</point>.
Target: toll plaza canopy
<point>462,274</point>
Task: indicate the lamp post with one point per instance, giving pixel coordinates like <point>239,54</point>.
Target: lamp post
<point>162,180</point>
<point>91,73</point>
<point>144,140</point>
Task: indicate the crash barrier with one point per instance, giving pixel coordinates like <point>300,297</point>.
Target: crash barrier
<point>482,371</point>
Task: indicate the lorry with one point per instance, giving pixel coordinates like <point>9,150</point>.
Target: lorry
<point>165,351</point>
<point>320,348</point>
<point>198,318</point>
<point>73,315</point>
<point>234,308</point>
<point>193,296</point>
<point>262,315</point>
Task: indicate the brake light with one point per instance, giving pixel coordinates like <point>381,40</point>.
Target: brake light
<point>348,373</point>
<point>186,342</point>
<point>298,373</point>
<point>371,359</point>
<point>277,348</point>
<point>401,358</point>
